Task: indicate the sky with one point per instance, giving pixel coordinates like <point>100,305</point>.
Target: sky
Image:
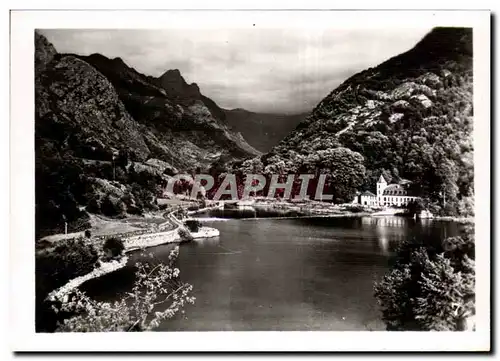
<point>273,70</point>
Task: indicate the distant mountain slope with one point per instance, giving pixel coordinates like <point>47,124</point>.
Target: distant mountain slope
<point>262,130</point>
<point>108,137</point>
<point>411,117</point>
<point>174,113</point>
<point>184,93</point>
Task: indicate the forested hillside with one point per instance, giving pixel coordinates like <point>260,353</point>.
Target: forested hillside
<point>410,117</point>
<point>262,130</point>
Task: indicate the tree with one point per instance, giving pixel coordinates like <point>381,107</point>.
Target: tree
<point>112,206</point>
<point>429,288</point>
<point>416,206</point>
<point>346,172</point>
<point>123,158</point>
<point>158,294</point>
<point>54,268</point>
<point>113,247</point>
<point>193,225</point>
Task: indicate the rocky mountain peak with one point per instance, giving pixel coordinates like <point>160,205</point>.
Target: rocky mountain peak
<point>44,51</point>
<point>175,84</point>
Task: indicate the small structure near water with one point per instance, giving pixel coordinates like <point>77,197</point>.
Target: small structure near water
<point>205,232</point>
<point>424,214</point>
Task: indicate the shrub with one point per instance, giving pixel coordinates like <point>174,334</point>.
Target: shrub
<point>356,208</point>
<point>112,206</point>
<point>70,259</point>
<point>87,233</point>
<point>185,235</point>
<point>94,205</point>
<point>193,225</point>
<point>415,207</point>
<point>157,295</point>
<point>429,288</point>
<point>54,267</point>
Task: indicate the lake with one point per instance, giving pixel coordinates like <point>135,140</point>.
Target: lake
<point>283,274</point>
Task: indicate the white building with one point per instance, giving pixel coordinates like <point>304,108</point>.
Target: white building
<point>387,195</point>
<point>366,198</point>
<point>393,194</point>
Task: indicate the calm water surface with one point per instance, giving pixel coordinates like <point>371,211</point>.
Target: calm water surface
<point>283,274</point>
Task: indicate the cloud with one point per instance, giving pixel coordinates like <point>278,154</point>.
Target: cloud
<point>263,70</point>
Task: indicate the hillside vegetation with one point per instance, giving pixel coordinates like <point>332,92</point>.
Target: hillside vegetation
<point>108,138</point>
<point>410,117</point>
<point>262,130</point>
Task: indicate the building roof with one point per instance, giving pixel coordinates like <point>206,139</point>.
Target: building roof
<point>397,190</point>
<point>381,179</point>
<point>405,181</point>
<point>368,194</point>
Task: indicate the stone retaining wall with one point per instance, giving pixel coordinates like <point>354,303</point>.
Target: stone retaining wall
<point>151,240</point>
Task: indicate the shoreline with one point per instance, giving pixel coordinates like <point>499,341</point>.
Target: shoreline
<point>132,244</point>
<point>222,219</point>
<point>103,269</point>
<point>310,209</point>
<point>461,220</point>
<point>136,242</point>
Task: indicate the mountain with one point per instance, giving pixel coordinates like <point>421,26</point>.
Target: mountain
<point>107,138</point>
<point>184,93</point>
<point>174,113</point>
<point>262,130</point>
<point>409,117</point>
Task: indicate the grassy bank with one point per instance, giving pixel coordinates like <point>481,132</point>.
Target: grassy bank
<point>462,220</point>
<point>310,208</point>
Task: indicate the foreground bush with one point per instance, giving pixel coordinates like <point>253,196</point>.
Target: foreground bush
<point>430,288</point>
<point>193,225</point>
<point>69,259</point>
<point>113,247</point>
<point>157,295</point>
<point>54,267</point>
<point>185,235</point>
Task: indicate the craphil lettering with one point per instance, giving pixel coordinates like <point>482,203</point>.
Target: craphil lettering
<point>241,187</point>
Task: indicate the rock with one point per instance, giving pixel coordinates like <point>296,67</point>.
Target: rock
<point>400,104</point>
<point>141,167</point>
<point>160,164</point>
<point>407,89</point>
<point>395,117</point>
<point>104,186</point>
<point>431,80</point>
<point>377,94</point>
<point>422,99</point>
<point>370,104</point>
<point>73,92</point>
<point>445,73</point>
<point>403,91</point>
<point>44,52</point>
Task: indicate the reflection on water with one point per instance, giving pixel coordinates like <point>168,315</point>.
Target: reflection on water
<point>385,221</point>
<point>293,274</point>
<point>207,242</point>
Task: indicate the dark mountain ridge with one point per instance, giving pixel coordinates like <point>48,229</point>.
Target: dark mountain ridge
<point>107,137</point>
<point>410,117</point>
<point>175,85</point>
<point>262,130</point>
